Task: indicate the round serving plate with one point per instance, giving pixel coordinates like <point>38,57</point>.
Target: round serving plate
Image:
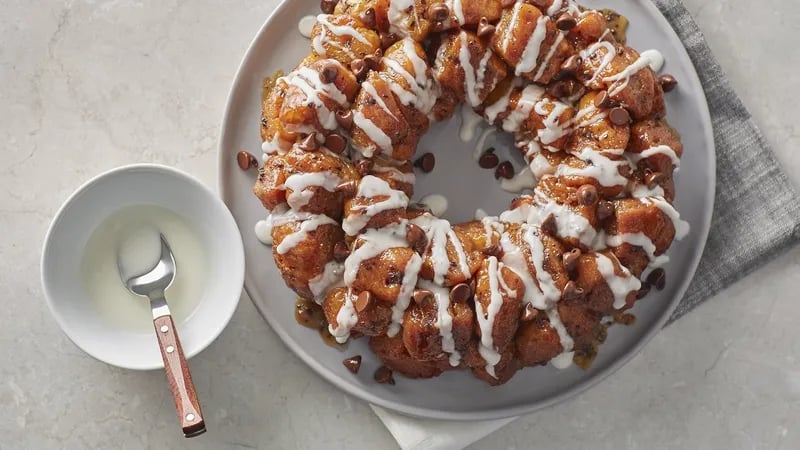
<point>457,395</point>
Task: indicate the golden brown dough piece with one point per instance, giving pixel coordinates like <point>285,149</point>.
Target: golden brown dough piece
<point>342,38</point>
<point>592,271</point>
<point>391,17</point>
<point>422,335</point>
<point>631,217</point>
<point>530,43</point>
<point>373,320</point>
<point>463,12</point>
<point>306,180</point>
<point>302,248</point>
<point>467,70</point>
<point>291,111</point>
<point>656,149</point>
<point>394,355</point>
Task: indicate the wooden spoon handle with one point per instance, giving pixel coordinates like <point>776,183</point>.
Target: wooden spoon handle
<point>180,380</point>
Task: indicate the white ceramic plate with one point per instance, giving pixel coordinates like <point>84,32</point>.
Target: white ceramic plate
<point>458,395</point>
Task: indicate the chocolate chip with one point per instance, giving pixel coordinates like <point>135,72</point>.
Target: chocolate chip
<point>353,363</point>
<point>329,73</point>
<point>345,119</point>
<point>328,6</point>
<point>438,12</point>
<point>507,3</point>
<point>668,82</point>
<point>643,291</point>
<point>336,143</point>
<point>368,18</point>
<point>565,88</point>
<point>426,162</point>
<point>420,296</point>
<point>504,170</point>
<point>625,170</point>
<point>488,161</point>
<point>416,238</point>
<point>549,225</point>
<point>309,143</point>
<point>529,313</point>
<point>653,179</point>
<point>570,259</point>
<point>493,250</point>
<point>605,209</point>
<point>348,189</point>
<point>437,27</point>
<point>384,375</point>
<point>372,61</point>
<point>340,251</point>
<point>603,100</point>
<point>460,293</point>
<point>387,39</point>
<point>359,68</point>
<point>363,301</point>
<point>485,28</point>
<point>587,195</point>
<point>657,278</point>
<point>364,167</point>
<point>246,160</point>
<point>566,22</point>
<point>572,291</point>
<point>620,116</point>
<point>569,67</point>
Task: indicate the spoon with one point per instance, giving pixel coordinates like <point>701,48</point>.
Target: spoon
<point>152,285</point>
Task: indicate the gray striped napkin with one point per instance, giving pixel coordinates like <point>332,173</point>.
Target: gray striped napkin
<point>756,216</point>
<point>756,213</point>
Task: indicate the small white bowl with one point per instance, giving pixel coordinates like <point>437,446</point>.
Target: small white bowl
<point>89,206</point>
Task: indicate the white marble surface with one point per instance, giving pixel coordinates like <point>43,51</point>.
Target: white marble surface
<point>89,85</point>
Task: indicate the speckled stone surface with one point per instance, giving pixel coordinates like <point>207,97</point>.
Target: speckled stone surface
<point>89,85</point>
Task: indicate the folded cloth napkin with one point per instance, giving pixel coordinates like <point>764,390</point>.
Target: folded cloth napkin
<point>756,216</point>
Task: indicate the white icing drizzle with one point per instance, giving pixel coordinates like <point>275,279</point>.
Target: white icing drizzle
<point>305,25</point>
<point>373,243</point>
<point>620,81</point>
<point>642,241</point>
<point>656,59</point>
<point>346,318</point>
<point>642,191</point>
<point>657,150</point>
<point>444,320</point>
<point>369,88</point>
<point>495,109</point>
<point>486,319</point>
<point>558,5</point>
<point>547,286</point>
<point>600,167</point>
<point>581,120</point>
<point>331,276</point>
<point>474,81</point>
<point>398,16</point>
<point>553,130</point>
<point>528,99</point>
<point>620,285</point>
<point>457,9</point>
<point>480,147</point>
<point>395,173</point>
<point>681,226</point>
<point>469,123</point>
<point>336,30</point>
<point>263,230</point>
<point>514,258</point>
<point>423,93</point>
<point>480,215</point>
<point>300,182</point>
<point>374,133</point>
<point>607,58</point>
<point>312,223</point>
<point>530,55</point>
<point>524,179</point>
<point>410,274</point>
<point>370,187</point>
<point>511,26</point>
<point>309,82</point>
<point>540,166</point>
<point>563,360</point>
<point>548,57</point>
<point>439,232</point>
<point>436,202</point>
<point>569,223</point>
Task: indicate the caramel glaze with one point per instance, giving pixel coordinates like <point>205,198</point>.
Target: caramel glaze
<point>310,315</point>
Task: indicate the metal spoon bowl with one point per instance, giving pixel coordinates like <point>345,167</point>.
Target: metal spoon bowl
<point>152,285</point>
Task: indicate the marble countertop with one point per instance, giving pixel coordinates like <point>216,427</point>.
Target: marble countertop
<point>87,85</point>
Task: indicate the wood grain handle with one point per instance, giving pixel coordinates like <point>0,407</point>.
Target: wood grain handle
<point>180,380</point>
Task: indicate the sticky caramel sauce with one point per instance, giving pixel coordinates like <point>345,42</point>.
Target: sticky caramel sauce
<point>269,83</point>
<point>585,353</point>
<point>618,24</point>
<point>310,315</point>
